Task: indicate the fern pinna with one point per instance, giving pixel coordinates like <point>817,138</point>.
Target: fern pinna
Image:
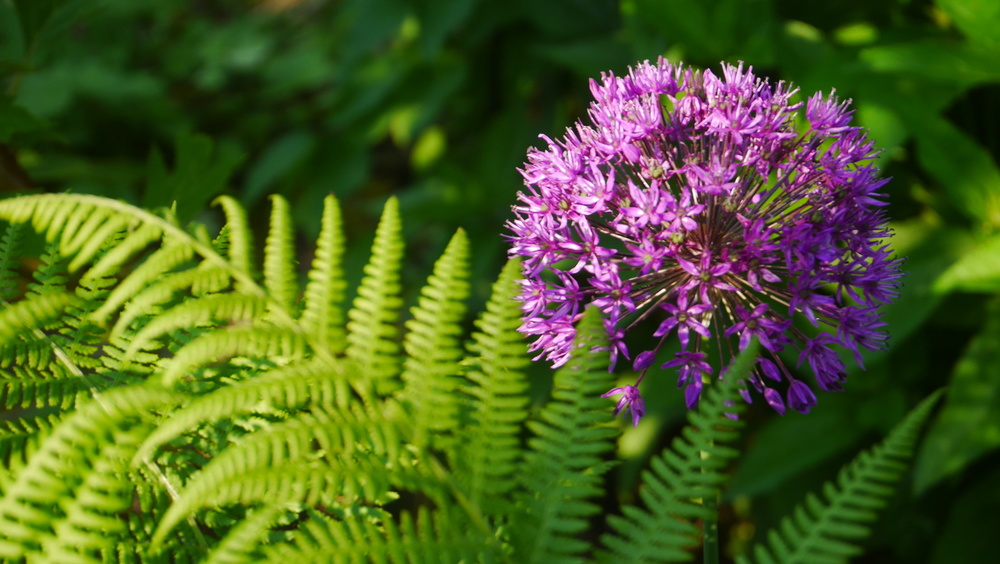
<point>166,400</point>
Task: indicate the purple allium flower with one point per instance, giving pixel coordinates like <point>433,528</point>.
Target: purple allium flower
<point>722,210</point>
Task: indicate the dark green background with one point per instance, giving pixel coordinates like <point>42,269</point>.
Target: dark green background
<point>435,101</point>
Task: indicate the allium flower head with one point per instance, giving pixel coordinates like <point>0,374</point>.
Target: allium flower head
<point>721,209</point>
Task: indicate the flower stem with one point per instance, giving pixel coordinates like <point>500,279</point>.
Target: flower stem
<point>710,533</point>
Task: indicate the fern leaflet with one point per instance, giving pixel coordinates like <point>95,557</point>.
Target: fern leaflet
<point>827,530</point>
<point>562,470</point>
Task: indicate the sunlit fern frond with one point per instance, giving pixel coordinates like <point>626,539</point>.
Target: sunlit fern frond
<point>431,371</point>
<point>312,457</point>
<point>280,277</point>
<point>80,464</point>
<point>562,471</point>
<point>681,477</point>
<point>431,537</point>
<point>286,388</point>
<point>245,341</point>
<point>10,247</point>
<point>372,327</point>
<point>244,543</point>
<point>829,529</point>
<point>491,446</point>
<point>238,235</point>
<point>323,314</point>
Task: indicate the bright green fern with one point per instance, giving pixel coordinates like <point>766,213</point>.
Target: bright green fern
<point>165,400</point>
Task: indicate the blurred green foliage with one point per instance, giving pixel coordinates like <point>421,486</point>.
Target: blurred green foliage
<point>435,101</point>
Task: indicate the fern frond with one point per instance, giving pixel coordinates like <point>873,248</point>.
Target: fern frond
<point>79,223</point>
<point>239,235</point>
<point>243,544</point>
<point>10,286</point>
<point>430,537</point>
<point>37,310</point>
<point>239,341</point>
<point>91,523</point>
<point>51,387</point>
<point>681,477</point>
<point>431,369</point>
<point>148,300</point>
<point>161,261</point>
<point>303,447</point>
<point>827,530</point>
<point>134,243</point>
<point>280,278</point>
<point>372,327</point>
<point>93,238</point>
<point>562,470</point>
<point>498,387</point>
<point>66,464</point>
<point>285,388</point>
<point>200,312</point>
<point>323,313</point>
<point>50,276</point>
<point>19,438</point>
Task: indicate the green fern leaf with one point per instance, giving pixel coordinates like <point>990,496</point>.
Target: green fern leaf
<point>271,342</point>
<point>91,522</point>
<point>67,463</point>
<point>323,315</point>
<point>498,388</point>
<point>689,471</point>
<point>19,439</point>
<point>10,286</point>
<point>36,311</point>
<point>81,224</point>
<point>210,310</point>
<point>431,369</point>
<point>827,530</point>
<point>50,276</point>
<point>307,449</point>
<point>100,228</point>
<point>240,237</point>
<point>280,278</point>
<point>243,544</point>
<point>160,262</point>
<point>562,470</point>
<point>372,326</point>
<point>430,537</point>
<point>285,388</point>
<point>148,301</point>
<point>135,242</point>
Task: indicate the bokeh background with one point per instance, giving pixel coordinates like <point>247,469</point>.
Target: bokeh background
<point>436,101</point>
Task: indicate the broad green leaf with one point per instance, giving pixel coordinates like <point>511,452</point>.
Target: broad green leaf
<point>33,15</point>
<point>978,270</point>
<point>964,169</point>
<point>438,18</point>
<point>791,444</point>
<point>282,155</point>
<point>930,250</point>
<point>969,531</point>
<point>979,20</point>
<point>201,171</point>
<point>969,424</point>
<point>16,120</point>
<point>935,59</point>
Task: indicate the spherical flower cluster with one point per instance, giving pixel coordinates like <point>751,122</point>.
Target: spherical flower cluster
<point>716,207</point>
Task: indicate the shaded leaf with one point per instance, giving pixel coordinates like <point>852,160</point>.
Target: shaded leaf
<point>201,171</point>
<point>976,271</point>
<point>969,424</point>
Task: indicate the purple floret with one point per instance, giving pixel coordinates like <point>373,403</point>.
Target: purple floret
<point>719,208</point>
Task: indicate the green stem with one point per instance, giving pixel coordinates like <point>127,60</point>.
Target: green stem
<point>710,543</point>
